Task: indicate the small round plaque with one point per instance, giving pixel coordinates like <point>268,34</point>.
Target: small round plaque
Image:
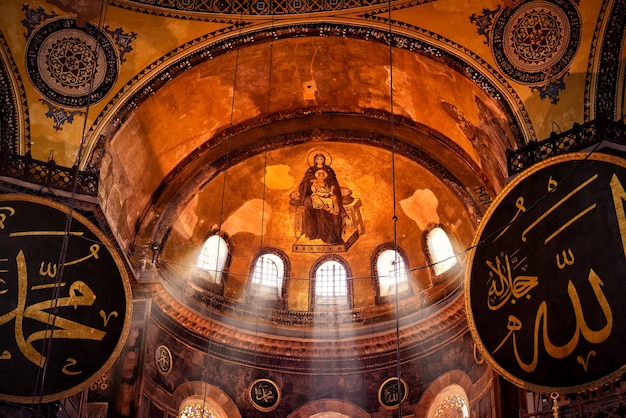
<point>264,395</point>
<point>163,359</point>
<point>392,392</point>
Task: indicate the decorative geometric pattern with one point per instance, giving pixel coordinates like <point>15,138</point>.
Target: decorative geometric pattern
<point>11,96</point>
<point>34,18</point>
<point>484,22</point>
<point>60,115</point>
<point>70,65</point>
<point>551,89</point>
<point>537,40</point>
<point>253,7</point>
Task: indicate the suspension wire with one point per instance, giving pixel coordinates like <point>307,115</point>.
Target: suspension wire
<point>218,271</point>
<point>453,291</point>
<point>395,209</point>
<point>39,389</point>
<point>263,266</point>
<point>42,372</point>
<point>269,94</point>
<point>408,270</point>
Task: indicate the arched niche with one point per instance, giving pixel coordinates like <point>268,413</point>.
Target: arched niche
<point>329,408</point>
<point>448,384</point>
<point>209,396</point>
<point>450,402</point>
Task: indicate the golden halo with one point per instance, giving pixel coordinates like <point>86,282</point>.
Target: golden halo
<point>311,157</point>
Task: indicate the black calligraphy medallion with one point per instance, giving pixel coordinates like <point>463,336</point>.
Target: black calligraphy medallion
<point>264,395</point>
<point>60,328</point>
<point>392,393</point>
<point>545,282</point>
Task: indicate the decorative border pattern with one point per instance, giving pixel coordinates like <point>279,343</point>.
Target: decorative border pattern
<point>248,7</point>
<point>9,117</point>
<point>613,41</point>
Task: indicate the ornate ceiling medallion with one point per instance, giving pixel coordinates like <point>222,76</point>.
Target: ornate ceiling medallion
<point>70,65</point>
<point>537,40</point>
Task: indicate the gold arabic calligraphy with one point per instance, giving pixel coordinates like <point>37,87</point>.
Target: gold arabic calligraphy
<point>79,295</point>
<point>505,286</point>
<point>541,323</point>
<point>263,393</point>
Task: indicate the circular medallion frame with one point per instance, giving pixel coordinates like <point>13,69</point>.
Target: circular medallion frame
<point>536,41</point>
<point>264,395</point>
<point>69,65</point>
<point>388,396</point>
<point>546,273</point>
<point>163,359</point>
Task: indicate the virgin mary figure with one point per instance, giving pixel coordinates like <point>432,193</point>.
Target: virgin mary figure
<point>321,197</point>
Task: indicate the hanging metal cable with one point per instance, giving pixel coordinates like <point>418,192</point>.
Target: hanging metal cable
<point>263,264</point>
<point>400,388</point>
<point>40,384</point>
<point>221,217</point>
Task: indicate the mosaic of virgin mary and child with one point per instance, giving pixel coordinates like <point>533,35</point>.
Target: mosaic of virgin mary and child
<point>320,195</point>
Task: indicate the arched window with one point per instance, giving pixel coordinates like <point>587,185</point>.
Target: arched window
<point>213,257</point>
<point>451,402</point>
<point>391,269</point>
<point>440,249</point>
<point>331,283</point>
<point>201,400</point>
<point>267,275</point>
<point>197,407</point>
<point>196,410</point>
<point>452,406</point>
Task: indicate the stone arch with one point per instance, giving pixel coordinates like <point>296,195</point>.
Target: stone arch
<point>429,399</point>
<point>214,396</point>
<point>329,408</point>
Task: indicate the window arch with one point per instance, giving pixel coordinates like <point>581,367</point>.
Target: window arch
<point>331,283</point>
<point>199,399</point>
<point>452,406</point>
<point>197,407</point>
<point>389,266</point>
<point>440,251</point>
<point>451,402</point>
<point>269,269</point>
<point>215,256</point>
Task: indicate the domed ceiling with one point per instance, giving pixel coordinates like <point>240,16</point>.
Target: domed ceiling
<point>204,117</point>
